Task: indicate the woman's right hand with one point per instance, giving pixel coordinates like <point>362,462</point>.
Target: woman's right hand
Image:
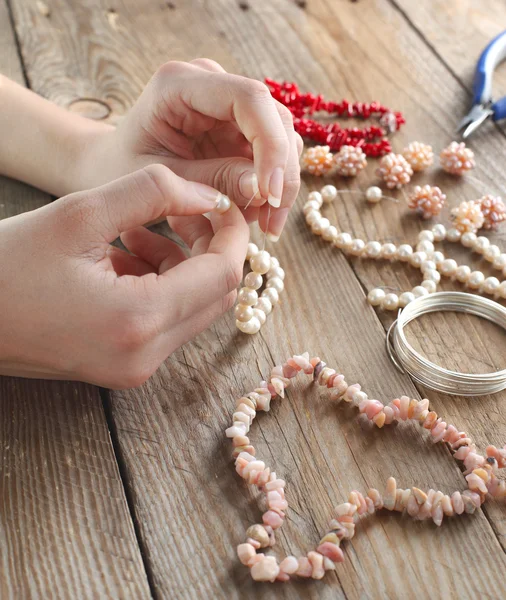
<point>75,307</point>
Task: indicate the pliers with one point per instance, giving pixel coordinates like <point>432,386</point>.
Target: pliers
<point>483,106</point>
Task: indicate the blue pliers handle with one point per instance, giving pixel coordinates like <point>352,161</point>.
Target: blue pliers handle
<point>483,106</point>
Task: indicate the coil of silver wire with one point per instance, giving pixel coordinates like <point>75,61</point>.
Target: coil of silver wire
<point>408,360</point>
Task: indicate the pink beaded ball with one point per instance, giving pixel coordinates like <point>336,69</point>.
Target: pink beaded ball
<point>467,217</point>
<point>427,200</point>
<point>395,170</point>
<point>317,160</point>
<point>494,211</point>
<point>457,159</point>
<point>418,155</point>
<point>349,161</point>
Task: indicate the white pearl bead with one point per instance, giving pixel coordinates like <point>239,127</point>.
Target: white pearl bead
<point>312,217</point>
<point>432,275</point>
<point>260,315</point>
<point>462,273</point>
<point>428,265</point>
<point>222,204</point>
<point>492,252</point>
<point>500,262</point>
<point>373,194</point>
<point>252,250</point>
<point>247,296</point>
<point>405,298</point>
<point>357,247</point>
<point>252,326</point>
<point>419,291</point>
<point>448,266</point>
<point>475,279</point>
<point>309,206</point>
<point>429,285</point>
<point>276,283</point>
<point>390,302</point>
<point>426,246</point>
<point>243,312</point>
<point>261,262</point>
<point>481,244</point>
<point>439,232</point>
<point>271,294</point>
<point>375,297</point>
<point>502,290</point>
<point>373,249</point>
<point>389,251</point>
<point>404,252</point>
<point>343,241</point>
<point>318,227</point>
<point>330,234</point>
<point>426,236</point>
<point>468,239</point>
<point>490,285</point>
<point>274,262</point>
<point>275,272</point>
<point>253,280</point>
<point>264,304</point>
<point>329,193</point>
<point>417,258</point>
<point>315,197</point>
<point>453,235</point>
<point>438,257</point>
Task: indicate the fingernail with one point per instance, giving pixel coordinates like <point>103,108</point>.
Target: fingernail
<point>276,187</point>
<point>277,222</point>
<point>208,194</point>
<point>272,238</point>
<point>248,186</point>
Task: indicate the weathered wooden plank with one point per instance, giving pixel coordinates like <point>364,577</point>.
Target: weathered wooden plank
<point>65,528</point>
<point>189,504</point>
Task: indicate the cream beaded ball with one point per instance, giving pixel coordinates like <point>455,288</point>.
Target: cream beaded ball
<point>419,156</point>
<point>457,159</point>
<point>494,211</point>
<point>468,217</point>
<point>394,170</point>
<point>317,160</point>
<point>427,200</point>
<point>349,161</point>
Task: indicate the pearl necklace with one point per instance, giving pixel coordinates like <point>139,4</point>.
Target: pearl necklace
<point>480,473</point>
<point>432,263</point>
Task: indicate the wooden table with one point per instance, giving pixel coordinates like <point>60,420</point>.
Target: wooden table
<point>133,494</point>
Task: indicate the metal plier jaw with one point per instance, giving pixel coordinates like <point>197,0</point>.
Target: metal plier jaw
<point>483,106</point>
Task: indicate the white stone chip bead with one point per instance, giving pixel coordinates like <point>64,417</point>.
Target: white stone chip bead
<point>222,204</point>
<point>375,297</point>
<point>373,249</point>
<point>453,235</point>
<point>247,296</point>
<point>417,258</point>
<point>272,294</point>
<point>343,241</point>
<point>462,273</point>
<point>426,236</point>
<point>490,285</point>
<point>432,275</point>
<point>275,272</point>
<point>475,279</point>
<point>426,246</point>
<point>330,234</point>
<point>260,315</point>
<point>405,298</point>
<point>275,283</point>
<point>315,197</point>
<point>390,302</point>
<point>253,280</point>
<point>438,257</point>
<point>329,193</point>
<point>468,239</point>
<point>389,251</point>
<point>428,265</point>
<point>404,252</point>
<point>373,194</point>
<point>448,267</point>
<point>501,292</point>
<point>252,326</point>
<point>243,312</point>
<point>419,291</point>
<point>261,262</point>
<point>439,232</point>
<point>492,252</point>
<point>252,250</point>
<point>481,244</point>
<point>429,285</point>
<point>500,262</point>
<point>264,304</point>
<point>357,247</point>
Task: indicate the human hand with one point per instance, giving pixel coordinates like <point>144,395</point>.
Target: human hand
<point>75,307</point>
<point>208,126</point>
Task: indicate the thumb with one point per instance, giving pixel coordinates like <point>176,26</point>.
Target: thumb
<point>141,197</point>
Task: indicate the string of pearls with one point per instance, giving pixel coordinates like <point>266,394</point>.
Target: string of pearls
<point>432,263</point>
<point>251,310</point>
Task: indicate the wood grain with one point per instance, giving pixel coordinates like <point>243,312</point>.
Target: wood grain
<point>190,506</point>
<point>65,529</point>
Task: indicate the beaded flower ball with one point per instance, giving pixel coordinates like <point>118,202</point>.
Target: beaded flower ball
<point>349,161</point>
<point>457,159</point>
<point>494,211</point>
<point>427,200</point>
<point>317,160</point>
<point>395,170</point>
<point>467,217</point>
<point>419,156</point>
